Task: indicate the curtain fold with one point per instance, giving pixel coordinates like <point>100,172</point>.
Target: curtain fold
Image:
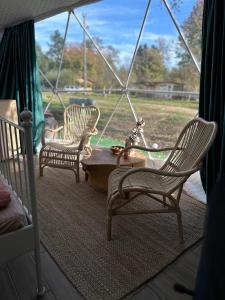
<point>212,87</point>
<point>19,77</point>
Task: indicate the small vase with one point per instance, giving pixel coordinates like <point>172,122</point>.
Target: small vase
<point>132,151</point>
<point>128,143</point>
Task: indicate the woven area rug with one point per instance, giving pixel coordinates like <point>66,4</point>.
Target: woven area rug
<point>72,224</point>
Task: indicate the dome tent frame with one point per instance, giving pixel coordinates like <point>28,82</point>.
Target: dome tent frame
<point>124,86</point>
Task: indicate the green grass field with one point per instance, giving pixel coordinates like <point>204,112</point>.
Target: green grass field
<point>164,119</point>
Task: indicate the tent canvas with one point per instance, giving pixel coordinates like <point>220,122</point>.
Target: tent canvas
<point>14,12</point>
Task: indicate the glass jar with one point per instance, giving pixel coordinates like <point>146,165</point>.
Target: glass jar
<point>128,143</point>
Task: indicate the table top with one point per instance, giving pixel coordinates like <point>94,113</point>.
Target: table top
<point>104,156</point>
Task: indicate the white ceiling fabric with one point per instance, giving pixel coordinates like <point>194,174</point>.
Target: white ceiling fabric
<point>13,12</point>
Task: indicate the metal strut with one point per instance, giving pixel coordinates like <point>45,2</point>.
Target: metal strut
<point>124,85</point>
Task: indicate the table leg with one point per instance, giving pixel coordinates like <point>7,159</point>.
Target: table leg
<point>127,195</point>
<point>85,173</point>
<point>86,176</point>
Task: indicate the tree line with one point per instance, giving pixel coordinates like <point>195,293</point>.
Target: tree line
<point>151,63</point>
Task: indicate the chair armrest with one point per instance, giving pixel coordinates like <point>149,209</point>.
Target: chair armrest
<point>94,131</point>
<point>54,131</point>
<point>145,149</point>
<point>91,132</point>
<point>157,172</point>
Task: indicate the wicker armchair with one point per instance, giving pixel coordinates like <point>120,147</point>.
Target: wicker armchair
<point>163,185</point>
<point>79,125</point>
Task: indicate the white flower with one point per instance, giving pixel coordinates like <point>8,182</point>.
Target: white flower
<point>155,146</point>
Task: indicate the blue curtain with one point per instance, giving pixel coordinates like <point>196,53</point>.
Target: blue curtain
<point>19,77</point>
<point>212,87</point>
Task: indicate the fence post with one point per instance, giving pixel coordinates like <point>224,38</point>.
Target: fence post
<point>26,117</point>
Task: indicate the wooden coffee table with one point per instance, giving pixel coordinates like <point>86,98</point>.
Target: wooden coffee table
<point>102,162</point>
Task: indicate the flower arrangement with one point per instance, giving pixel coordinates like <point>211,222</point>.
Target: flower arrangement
<point>134,137</point>
<point>136,132</point>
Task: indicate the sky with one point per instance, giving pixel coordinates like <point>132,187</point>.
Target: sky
<point>117,23</point>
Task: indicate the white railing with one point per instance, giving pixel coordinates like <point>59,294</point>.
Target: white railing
<point>17,169</point>
<point>148,92</point>
<point>13,159</point>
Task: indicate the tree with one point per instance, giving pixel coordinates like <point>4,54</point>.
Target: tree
<point>164,47</point>
<point>91,46</point>
<point>72,68</point>
<point>55,47</point>
<point>73,56</point>
<point>112,55</point>
<point>43,61</point>
<point>149,64</point>
<point>123,72</point>
<point>192,31</point>
<point>97,71</point>
<point>175,4</point>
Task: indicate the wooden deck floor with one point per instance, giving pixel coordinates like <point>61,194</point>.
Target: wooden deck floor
<point>17,279</point>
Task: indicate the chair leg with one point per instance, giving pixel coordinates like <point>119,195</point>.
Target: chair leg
<point>40,163</point>
<point>180,226</point>
<point>41,171</point>
<point>127,195</point>
<point>88,149</point>
<point>109,225</point>
<point>86,176</point>
<point>77,175</point>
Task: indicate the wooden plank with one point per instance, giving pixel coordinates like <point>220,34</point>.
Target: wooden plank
<point>182,275</point>
<point>42,249</point>
<point>8,110</point>
<point>163,286</point>
<point>23,273</point>
<point>23,239</point>
<point>57,281</point>
<point>48,296</point>
<point>182,271</point>
<point>198,249</point>
<point>20,281</point>
<point>145,293</point>
<point>190,261</point>
<point>7,291</point>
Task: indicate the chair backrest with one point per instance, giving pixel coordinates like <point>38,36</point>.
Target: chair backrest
<point>194,142</point>
<point>78,120</point>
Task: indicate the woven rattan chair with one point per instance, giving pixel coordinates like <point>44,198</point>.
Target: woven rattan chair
<point>79,125</point>
<point>165,184</point>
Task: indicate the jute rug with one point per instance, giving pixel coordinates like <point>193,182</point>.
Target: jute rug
<point>72,223</point>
